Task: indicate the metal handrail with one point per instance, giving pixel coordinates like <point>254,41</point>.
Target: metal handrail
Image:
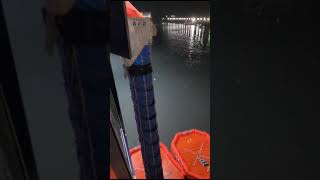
<point>117,126</point>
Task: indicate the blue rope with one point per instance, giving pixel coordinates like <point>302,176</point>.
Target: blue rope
<point>145,114</point>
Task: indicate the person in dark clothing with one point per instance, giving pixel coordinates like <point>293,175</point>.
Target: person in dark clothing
<point>78,28</point>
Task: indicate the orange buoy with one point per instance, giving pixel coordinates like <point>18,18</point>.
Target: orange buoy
<point>192,150</point>
<point>171,169</point>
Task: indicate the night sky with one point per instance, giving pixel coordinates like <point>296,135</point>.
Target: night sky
<point>178,8</point>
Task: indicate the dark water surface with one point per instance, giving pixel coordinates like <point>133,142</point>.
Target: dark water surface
<point>181,64</point>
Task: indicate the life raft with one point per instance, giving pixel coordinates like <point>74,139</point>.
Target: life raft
<point>192,150</point>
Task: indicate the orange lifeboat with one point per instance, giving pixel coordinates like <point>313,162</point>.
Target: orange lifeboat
<point>112,174</point>
<point>192,150</point>
<point>171,169</point>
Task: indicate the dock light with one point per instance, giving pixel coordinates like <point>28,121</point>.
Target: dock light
<point>198,19</point>
<point>193,19</point>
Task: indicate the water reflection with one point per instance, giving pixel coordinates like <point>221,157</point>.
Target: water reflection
<point>191,41</point>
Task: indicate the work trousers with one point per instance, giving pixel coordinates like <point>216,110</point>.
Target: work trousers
<point>86,81</point>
